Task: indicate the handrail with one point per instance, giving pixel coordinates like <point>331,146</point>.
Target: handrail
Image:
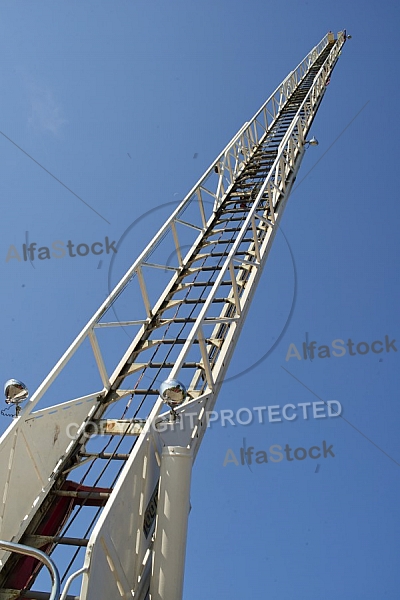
<point>42,557</point>
<point>70,580</point>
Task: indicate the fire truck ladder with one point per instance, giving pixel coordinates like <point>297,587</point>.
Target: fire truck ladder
<point>101,482</point>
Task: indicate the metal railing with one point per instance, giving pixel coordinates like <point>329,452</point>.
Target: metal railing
<point>42,557</point>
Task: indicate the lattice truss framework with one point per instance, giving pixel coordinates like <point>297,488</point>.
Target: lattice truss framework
<point>213,248</point>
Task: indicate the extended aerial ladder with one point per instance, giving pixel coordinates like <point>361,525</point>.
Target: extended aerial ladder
<point>106,476</point>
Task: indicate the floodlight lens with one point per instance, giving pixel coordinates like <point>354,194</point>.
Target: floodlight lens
<point>15,391</point>
<point>173,392</point>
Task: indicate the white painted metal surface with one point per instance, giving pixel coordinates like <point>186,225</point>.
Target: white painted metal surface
<point>117,551</point>
<point>31,451</point>
<point>42,446</point>
<point>172,521</point>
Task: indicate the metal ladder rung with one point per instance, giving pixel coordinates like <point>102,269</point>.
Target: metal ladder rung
<point>144,392</point>
<point>187,284</point>
<point>229,230</point>
<point>29,594</point>
<point>169,365</point>
<point>38,541</point>
<point>82,495</point>
<point>170,341</point>
<point>105,455</point>
<point>203,300</point>
<point>227,241</point>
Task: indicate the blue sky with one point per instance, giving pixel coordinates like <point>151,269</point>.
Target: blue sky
<point>127,103</point>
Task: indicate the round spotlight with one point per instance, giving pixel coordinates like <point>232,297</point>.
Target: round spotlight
<point>313,142</point>
<point>15,391</point>
<point>173,392</point>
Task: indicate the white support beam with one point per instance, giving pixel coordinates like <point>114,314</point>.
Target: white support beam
<point>188,224</point>
<point>176,241</point>
<point>144,292</point>
<point>99,359</point>
<point>256,243</point>
<point>173,507</point>
<point>120,324</point>
<point>235,289</point>
<point>161,267</point>
<point>201,208</point>
<point>204,356</point>
<point>119,427</point>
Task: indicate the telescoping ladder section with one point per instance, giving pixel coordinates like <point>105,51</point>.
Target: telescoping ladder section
<point>97,495</point>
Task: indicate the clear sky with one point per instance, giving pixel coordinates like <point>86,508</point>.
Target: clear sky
<point>127,103</point>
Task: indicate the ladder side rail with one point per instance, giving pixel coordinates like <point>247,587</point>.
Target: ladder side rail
<point>223,359</point>
<point>98,554</point>
<point>38,429</point>
<point>295,151</point>
<point>278,99</point>
<point>118,554</point>
<point>160,301</point>
<point>276,174</point>
<point>119,546</point>
<point>96,557</point>
<point>319,86</point>
<point>60,462</point>
<point>196,330</point>
<point>291,152</point>
<point>108,540</point>
<point>39,485</point>
<point>242,141</point>
<point>294,139</point>
<point>18,443</point>
<point>293,148</point>
<point>207,401</point>
<point>284,174</point>
<point>272,107</point>
<point>244,131</point>
<point>193,251</point>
